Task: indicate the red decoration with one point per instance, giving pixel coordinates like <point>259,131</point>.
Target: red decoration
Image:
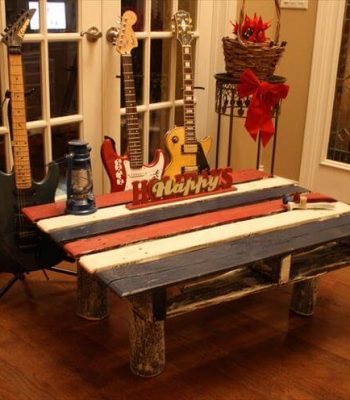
<point>264,97</point>
<point>184,186</point>
<point>253,29</point>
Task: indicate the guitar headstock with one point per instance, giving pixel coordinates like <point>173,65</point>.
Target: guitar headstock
<point>182,27</point>
<point>126,39</point>
<point>14,33</point>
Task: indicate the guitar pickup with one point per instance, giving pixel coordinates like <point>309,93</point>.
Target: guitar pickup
<point>188,168</point>
<point>190,148</point>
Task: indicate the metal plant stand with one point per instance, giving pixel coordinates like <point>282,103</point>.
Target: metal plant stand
<point>228,103</point>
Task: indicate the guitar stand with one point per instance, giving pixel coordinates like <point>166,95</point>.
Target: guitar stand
<point>20,276</point>
<point>17,276</point>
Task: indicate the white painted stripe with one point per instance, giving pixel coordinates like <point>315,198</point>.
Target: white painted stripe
<point>160,248</point>
<point>66,221</point>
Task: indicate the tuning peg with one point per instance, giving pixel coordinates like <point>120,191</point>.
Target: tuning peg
<point>6,29</point>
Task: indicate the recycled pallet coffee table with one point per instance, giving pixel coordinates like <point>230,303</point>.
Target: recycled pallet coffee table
<point>178,257</point>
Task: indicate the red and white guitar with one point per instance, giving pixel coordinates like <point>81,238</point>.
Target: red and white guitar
<point>123,170</point>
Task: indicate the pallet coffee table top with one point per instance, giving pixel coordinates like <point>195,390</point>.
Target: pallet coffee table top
<point>139,250</point>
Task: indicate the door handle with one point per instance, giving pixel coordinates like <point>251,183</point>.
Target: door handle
<point>112,34</point>
<point>92,34</point>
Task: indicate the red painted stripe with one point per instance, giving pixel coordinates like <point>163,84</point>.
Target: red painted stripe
<point>36,213</point>
<point>248,175</point>
<point>172,227</point>
<point>43,211</point>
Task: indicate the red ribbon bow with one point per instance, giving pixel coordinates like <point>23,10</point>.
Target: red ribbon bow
<point>264,97</point>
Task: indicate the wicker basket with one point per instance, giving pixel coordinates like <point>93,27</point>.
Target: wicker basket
<point>261,58</point>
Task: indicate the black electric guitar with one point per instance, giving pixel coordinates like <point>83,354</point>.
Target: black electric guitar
<point>21,248</point>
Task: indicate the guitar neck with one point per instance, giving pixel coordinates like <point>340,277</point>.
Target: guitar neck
<point>134,136</point>
<point>20,146</point>
<point>189,115</point>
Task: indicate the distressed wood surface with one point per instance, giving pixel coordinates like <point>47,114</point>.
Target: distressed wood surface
<point>304,297</point>
<point>151,215</point>
<point>210,238</point>
<point>170,228</point>
<point>57,209</point>
<point>135,278</point>
<point>246,280</point>
<point>167,228</point>
<point>92,296</point>
<point>242,195</point>
<point>146,334</point>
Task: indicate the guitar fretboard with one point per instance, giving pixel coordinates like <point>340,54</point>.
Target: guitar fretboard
<point>135,152</point>
<point>189,115</point>
<point>21,158</point>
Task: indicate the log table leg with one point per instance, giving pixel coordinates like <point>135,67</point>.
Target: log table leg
<point>304,297</point>
<point>92,296</point>
<point>147,348</point>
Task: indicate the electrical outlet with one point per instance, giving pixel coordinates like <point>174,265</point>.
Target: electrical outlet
<point>299,4</point>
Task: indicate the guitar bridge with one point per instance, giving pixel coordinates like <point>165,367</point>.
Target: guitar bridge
<point>190,148</point>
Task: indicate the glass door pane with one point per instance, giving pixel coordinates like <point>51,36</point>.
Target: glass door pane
<point>339,140</point>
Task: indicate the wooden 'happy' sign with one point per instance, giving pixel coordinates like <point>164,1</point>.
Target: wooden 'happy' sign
<point>184,186</point>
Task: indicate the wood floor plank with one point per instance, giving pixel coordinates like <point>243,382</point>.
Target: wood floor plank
<point>252,349</point>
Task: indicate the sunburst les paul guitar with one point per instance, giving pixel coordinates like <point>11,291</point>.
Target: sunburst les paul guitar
<point>124,170</point>
<point>186,152</point>
<point>20,247</point>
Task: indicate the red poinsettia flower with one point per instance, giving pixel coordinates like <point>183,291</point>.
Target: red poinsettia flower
<point>253,29</point>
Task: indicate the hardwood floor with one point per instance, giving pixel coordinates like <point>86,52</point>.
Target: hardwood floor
<point>249,349</point>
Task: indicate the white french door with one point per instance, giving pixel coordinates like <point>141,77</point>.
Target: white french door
<point>326,154</point>
<point>74,85</point>
<point>158,70</point>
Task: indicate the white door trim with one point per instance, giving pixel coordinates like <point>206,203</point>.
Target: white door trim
<point>223,12</point>
<point>328,35</point>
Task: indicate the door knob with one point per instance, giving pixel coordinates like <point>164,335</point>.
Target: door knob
<point>92,34</point>
<point>112,34</point>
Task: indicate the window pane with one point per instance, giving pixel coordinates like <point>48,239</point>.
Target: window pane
<point>61,15</point>
<point>161,14</point>
<point>63,66</point>
<point>61,135</point>
<point>191,7</point>
<point>124,134</point>
<point>158,126</point>
<point>32,80</point>
<point>14,7</point>
<point>160,70</point>
<point>137,61</point>
<point>138,6</point>
<point>36,150</point>
<point>2,153</point>
<point>339,140</point>
<point>179,70</point>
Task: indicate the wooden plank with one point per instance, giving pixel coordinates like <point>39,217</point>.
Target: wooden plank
<point>245,281</point>
<point>178,210</point>
<point>70,221</point>
<point>285,267</point>
<point>56,209</point>
<point>136,278</point>
<point>208,237</point>
<point>248,175</point>
<point>171,228</point>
